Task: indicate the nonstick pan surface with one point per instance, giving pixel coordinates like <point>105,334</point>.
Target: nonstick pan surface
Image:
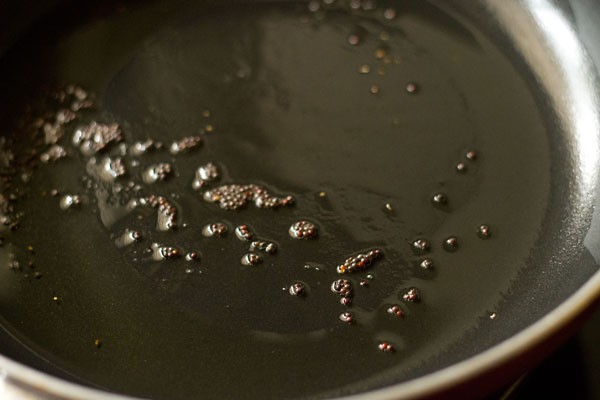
<point>362,115</point>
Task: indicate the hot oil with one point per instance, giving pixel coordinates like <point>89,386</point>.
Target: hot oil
<point>390,140</point>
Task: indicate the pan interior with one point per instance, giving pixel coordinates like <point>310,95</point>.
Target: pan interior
<point>361,114</point>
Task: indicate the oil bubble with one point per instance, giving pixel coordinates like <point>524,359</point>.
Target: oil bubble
<point>139,148</point>
<point>297,289</point>
<point>439,199</point>
<point>346,317</point>
<point>54,153</point>
<point>342,287</point>
<point>95,137</point>
<point>128,237</point>
<point>192,256</point>
<point>359,261</point>
<point>216,229</point>
<point>395,310</point>
<point>426,263</point>
<point>354,40</point>
<point>412,295</point>
<point>421,245</point>
<point>389,13</point>
<point>161,252</point>
<point>242,232</point>
<point>232,197</point>
<point>411,88</point>
<point>69,201</point>
<point>264,246</point>
<point>386,347</point>
<point>484,231</point>
<point>303,230</point>
<point>451,244</point>
<point>204,174</point>
<point>251,259</point>
<point>471,155</point>
<point>157,172</point>
<point>185,145</point>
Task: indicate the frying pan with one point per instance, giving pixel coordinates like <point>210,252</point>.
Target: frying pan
<point>362,152</point>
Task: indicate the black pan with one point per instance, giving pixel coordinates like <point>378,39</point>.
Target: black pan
<point>362,112</point>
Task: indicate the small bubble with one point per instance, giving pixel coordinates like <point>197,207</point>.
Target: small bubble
<point>69,201</point>
<point>421,245</point>
<point>451,244</point>
<point>471,155</point>
<point>359,261</point>
<point>484,232</point>
<point>128,237</point>
<point>322,194</point>
<point>233,197</point>
<point>185,145</point>
<point>209,128</point>
<point>204,174</point>
<point>346,317</point>
<point>412,295</point>
<point>98,343</point>
<point>139,148</point>
<point>386,347</point>
<point>251,259</point>
<point>216,229</point>
<point>160,252</point>
<point>461,167</point>
<point>54,153</point>
<point>396,311</point>
<point>242,232</point>
<point>108,169</point>
<point>297,289</point>
<point>95,137</point>
<point>303,230</point>
<point>355,4</point>
<point>374,89</point>
<point>411,87</point>
<point>354,40</point>
<point>389,207</point>
<point>368,5</point>
<point>56,299</point>
<point>189,270</point>
<point>380,53</point>
<point>342,287</point>
<point>389,13</point>
<point>426,263</point>
<point>263,245</point>
<point>364,283</point>
<point>493,316</point>
<point>364,69</point>
<point>439,199</point>
<point>192,256</point>
<point>157,172</point>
